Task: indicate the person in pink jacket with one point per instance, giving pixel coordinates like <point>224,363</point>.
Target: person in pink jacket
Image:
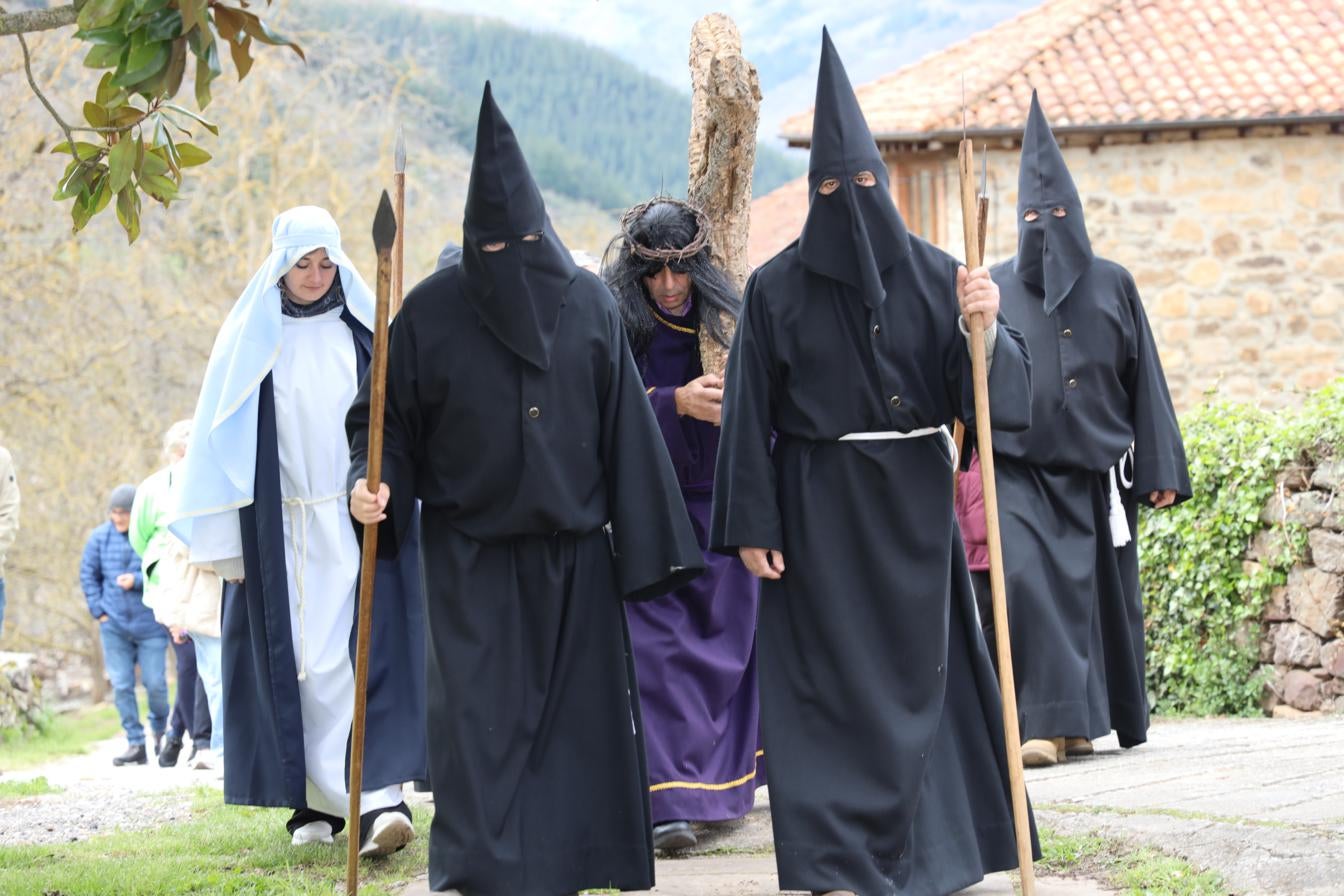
<point>970,510</point>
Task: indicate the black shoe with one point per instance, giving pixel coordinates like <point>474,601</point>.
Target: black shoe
<point>304,817</point>
<point>385,831</point>
<point>134,755</point>
<point>673,835</point>
<point>171,750</point>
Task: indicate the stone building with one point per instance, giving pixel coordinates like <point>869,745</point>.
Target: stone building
<point>1205,140</point>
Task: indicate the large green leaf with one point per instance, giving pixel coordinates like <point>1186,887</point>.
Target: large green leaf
<point>112,35</point>
<point>190,155</point>
<point>76,176</point>
<point>108,95</point>
<point>144,62</point>
<point>104,196</point>
<point>165,25</point>
<point>128,211</point>
<point>121,161</point>
<point>99,13</point>
<point>83,151</point>
<point>152,165</point>
<point>105,56</point>
<point>95,115</point>
<point>160,187</point>
<point>126,116</point>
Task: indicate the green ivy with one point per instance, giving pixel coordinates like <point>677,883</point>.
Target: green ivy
<point>1203,601</point>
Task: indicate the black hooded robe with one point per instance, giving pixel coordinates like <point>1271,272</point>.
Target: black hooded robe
<point>536,753</point>
<point>880,713</point>
<point>1075,611</point>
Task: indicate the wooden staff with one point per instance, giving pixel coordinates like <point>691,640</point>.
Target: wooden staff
<point>982,222</point>
<point>384,235</point>
<point>980,375</point>
<point>398,247</point>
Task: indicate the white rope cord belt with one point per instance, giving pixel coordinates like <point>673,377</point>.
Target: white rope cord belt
<point>890,435</point>
<point>298,543</point>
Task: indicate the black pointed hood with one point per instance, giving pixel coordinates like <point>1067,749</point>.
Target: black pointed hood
<point>518,290</point>
<point>855,233</point>
<point>1052,252</point>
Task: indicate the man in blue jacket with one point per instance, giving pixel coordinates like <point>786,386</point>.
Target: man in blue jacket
<point>113,587</point>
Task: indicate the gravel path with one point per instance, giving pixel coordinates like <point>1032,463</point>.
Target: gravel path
<point>98,798</point>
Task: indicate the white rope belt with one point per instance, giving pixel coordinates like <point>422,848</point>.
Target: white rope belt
<point>890,435</point>
<point>298,544</point>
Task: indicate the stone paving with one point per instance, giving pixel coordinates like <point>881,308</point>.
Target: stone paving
<point>1261,801</point>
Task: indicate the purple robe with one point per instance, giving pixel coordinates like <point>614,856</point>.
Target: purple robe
<point>695,648</point>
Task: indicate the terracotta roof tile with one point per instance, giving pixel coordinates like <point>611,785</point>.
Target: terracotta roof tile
<point>776,220</point>
<point>1121,63</point>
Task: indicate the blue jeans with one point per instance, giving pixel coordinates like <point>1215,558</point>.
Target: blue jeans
<point>2,608</point>
<point>210,668</point>
<point>121,654</point>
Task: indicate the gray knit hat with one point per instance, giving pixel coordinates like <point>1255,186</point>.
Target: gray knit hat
<point>122,497</point>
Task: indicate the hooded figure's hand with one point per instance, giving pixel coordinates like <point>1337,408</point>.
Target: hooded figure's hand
<point>367,507</point>
<point>977,293</point>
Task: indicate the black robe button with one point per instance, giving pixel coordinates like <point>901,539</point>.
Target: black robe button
<point>1067,334</point>
<point>1072,383</point>
<point>877,328</point>
<point>895,401</point>
<point>534,412</point>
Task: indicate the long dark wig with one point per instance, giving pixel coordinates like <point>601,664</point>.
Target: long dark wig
<point>666,231</point>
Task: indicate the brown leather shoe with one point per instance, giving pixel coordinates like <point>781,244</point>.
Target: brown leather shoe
<point>1077,746</point>
<point>1041,753</point>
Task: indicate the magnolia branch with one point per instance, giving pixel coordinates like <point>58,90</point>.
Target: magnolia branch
<point>38,19</point>
<point>32,81</point>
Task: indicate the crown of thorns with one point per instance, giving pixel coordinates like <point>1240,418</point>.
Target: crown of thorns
<point>700,241</point>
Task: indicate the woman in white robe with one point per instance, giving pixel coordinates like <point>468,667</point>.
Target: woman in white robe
<point>264,504</point>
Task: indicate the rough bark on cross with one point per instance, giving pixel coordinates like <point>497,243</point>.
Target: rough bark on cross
<point>725,109</point>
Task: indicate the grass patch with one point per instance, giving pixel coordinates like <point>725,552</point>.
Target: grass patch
<point>222,850</point>
<point>68,734</point>
<point>19,789</point>
<point>1141,871</point>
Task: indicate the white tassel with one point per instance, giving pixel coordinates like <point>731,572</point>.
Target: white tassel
<point>1120,535</point>
<point>1119,521</point>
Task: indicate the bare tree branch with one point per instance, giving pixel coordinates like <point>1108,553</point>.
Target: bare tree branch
<point>38,19</point>
<point>32,82</point>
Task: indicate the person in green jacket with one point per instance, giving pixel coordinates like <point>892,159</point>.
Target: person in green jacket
<point>168,588</point>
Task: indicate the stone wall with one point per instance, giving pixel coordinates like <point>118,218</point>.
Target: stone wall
<point>20,692</point>
<point>1233,241</point>
<point>1302,640</point>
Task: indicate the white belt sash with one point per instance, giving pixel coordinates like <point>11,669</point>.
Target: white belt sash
<point>890,435</point>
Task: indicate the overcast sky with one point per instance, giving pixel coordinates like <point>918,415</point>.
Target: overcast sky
<point>783,37</point>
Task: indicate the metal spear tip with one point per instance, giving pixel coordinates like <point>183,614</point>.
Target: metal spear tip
<point>399,152</point>
<point>384,225</point>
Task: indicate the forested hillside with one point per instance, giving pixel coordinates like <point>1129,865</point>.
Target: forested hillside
<point>594,127</point>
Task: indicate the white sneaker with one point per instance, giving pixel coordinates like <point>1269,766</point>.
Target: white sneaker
<point>389,832</point>
<point>204,759</point>
<point>312,832</point>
